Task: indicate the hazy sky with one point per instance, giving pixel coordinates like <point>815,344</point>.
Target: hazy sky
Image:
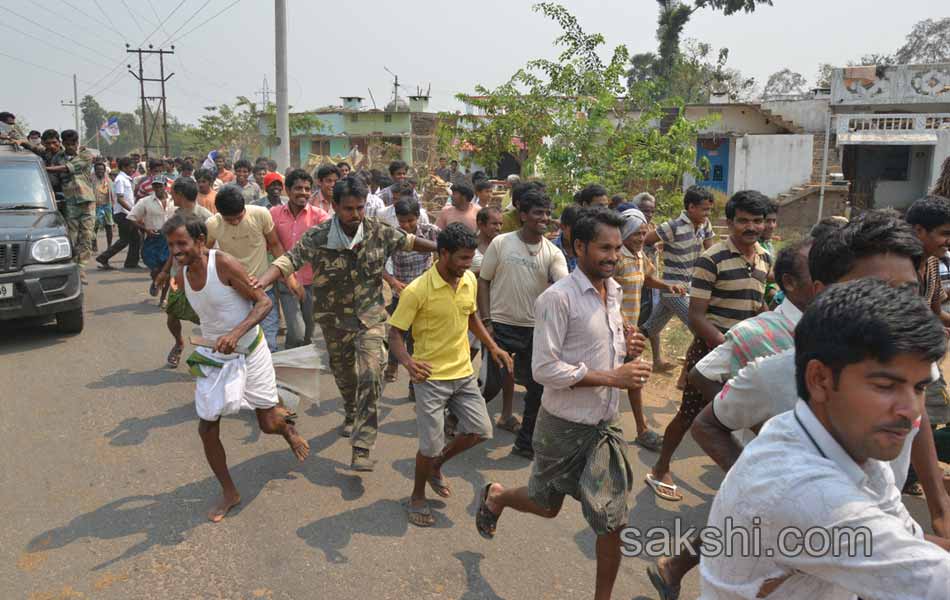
<point>341,47</point>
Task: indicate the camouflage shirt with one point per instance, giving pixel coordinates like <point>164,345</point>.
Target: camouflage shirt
<point>347,284</point>
<point>77,183</point>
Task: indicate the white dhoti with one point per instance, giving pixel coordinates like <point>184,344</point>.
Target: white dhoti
<point>234,381</point>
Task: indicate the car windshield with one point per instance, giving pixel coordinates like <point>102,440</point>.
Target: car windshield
<point>22,185</point>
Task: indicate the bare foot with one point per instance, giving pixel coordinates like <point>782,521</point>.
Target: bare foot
<point>663,566</point>
<point>662,367</point>
<point>227,502</point>
<point>490,502</point>
<point>298,445</point>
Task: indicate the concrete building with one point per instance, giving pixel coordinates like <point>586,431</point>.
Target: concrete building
<point>404,129</point>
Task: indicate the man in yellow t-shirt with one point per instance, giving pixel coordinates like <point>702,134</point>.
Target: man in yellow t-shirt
<point>440,307</point>
<point>247,233</point>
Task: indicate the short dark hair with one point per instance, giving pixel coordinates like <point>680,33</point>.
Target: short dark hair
<point>873,233</point>
<point>773,208</point>
<point>326,170</point>
<point>749,201</point>
<point>258,167</point>
<point>349,187</point>
<point>402,189</point>
<point>124,162</point>
<point>520,189</point>
<point>205,174</point>
<point>825,226</point>
<point>186,165</point>
<point>467,192</point>
<point>585,229</point>
<point>696,195</point>
<point>929,212</point>
<point>790,262</point>
<point>482,217</point>
<point>6,115</point>
<point>186,187</point>
<point>69,135</point>
<point>482,184</point>
<point>33,132</point>
<point>865,319</point>
<point>570,214</point>
<point>617,199</point>
<point>294,176</point>
<point>195,226</point>
<point>405,207</point>
<point>533,198</point>
<point>154,163</point>
<point>456,236</point>
<point>49,134</point>
<point>397,165</point>
<point>229,200</point>
<point>590,192</point>
<point>342,164</point>
<point>271,164</point>
<point>242,164</point>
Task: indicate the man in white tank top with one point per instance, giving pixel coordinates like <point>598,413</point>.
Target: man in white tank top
<point>238,372</point>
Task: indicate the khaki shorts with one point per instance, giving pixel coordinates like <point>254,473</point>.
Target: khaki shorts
<point>466,403</point>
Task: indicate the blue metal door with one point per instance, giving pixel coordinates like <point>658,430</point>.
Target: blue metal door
<point>716,176</point>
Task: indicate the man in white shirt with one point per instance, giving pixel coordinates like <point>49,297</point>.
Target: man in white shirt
<point>516,269</point>
<point>578,355</point>
<point>878,244</point>
<point>128,234</point>
<point>149,215</point>
<point>864,356</point>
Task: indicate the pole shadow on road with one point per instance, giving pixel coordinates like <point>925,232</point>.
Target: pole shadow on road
<point>477,587</point>
<point>144,307</point>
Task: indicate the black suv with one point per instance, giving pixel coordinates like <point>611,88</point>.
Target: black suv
<point>37,275</point>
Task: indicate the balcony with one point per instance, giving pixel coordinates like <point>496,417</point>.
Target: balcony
<point>891,129</point>
<point>895,85</point>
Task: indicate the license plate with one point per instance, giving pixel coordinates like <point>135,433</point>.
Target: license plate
<point>6,290</point>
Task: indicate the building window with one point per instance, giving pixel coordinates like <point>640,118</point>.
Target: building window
<point>388,118</point>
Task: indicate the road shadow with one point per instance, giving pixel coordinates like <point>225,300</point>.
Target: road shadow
<point>144,307</point>
<point>135,430</point>
<point>476,586</point>
<point>127,378</point>
<point>143,279</point>
<point>383,518</point>
<point>165,519</point>
<point>29,334</point>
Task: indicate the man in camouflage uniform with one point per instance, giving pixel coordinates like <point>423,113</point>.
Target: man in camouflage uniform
<point>348,254</point>
<point>80,197</point>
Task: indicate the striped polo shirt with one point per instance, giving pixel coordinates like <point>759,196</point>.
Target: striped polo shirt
<point>682,245</point>
<point>630,274</point>
<point>734,286</point>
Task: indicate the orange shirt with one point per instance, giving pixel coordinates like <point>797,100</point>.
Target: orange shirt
<point>207,201</point>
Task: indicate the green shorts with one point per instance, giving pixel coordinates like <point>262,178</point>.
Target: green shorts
<point>178,307</point>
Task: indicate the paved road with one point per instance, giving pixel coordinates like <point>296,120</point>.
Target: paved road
<point>105,488</point>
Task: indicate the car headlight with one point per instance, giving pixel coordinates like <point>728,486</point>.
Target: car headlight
<point>50,249</point>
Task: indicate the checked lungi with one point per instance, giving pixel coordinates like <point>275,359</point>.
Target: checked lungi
<point>588,463</point>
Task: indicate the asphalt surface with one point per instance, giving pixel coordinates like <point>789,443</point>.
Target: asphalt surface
<point>105,488</point>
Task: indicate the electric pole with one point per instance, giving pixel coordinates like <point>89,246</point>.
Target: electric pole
<point>395,89</point>
<point>265,96</point>
<point>74,104</point>
<point>283,118</point>
<point>148,133</point>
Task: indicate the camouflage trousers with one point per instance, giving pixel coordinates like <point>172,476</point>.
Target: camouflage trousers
<point>357,359</point>
<point>81,222</point>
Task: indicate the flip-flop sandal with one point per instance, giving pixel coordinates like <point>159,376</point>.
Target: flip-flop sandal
<point>665,590</point>
<point>485,520</point>
<point>511,424</point>
<point>665,491</point>
<point>420,516</point>
<point>914,489</point>
<point>174,357</point>
<point>650,440</point>
<point>390,377</point>
<point>440,487</point>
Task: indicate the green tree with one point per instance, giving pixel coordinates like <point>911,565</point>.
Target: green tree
<point>927,42</point>
<point>93,116</point>
<point>783,82</point>
<point>575,121</point>
<point>243,125</point>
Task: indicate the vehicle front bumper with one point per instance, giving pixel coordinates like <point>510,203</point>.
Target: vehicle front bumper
<point>40,290</point>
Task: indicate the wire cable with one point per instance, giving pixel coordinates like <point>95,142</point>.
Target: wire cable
<point>45,28</point>
<point>71,53</point>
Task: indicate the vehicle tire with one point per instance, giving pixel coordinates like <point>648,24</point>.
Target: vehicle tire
<point>70,321</point>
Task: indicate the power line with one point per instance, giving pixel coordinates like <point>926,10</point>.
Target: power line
<point>33,64</point>
<point>45,28</point>
<point>215,15</point>
<point>45,42</point>
<point>135,17</point>
<point>106,15</point>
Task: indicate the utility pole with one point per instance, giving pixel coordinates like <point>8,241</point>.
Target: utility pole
<point>74,104</point>
<point>148,133</point>
<point>395,88</point>
<point>283,117</point>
